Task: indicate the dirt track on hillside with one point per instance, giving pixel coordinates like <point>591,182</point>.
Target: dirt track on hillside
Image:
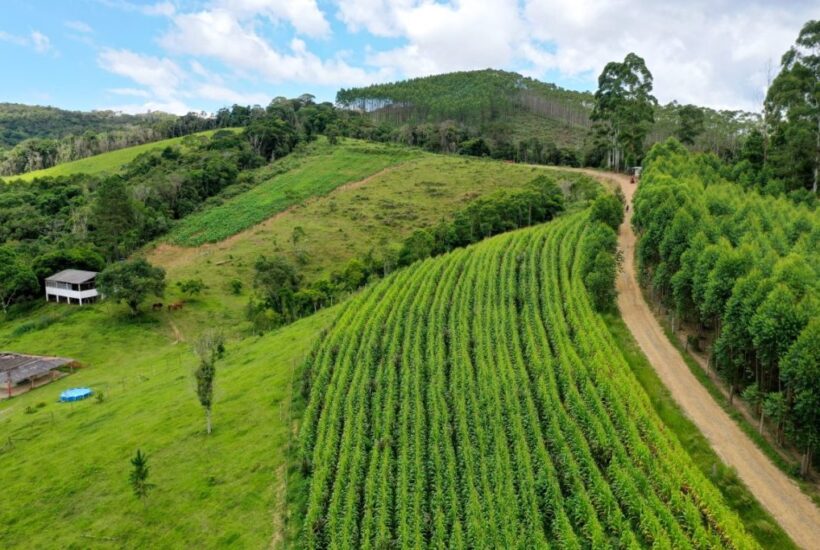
<point>793,510</point>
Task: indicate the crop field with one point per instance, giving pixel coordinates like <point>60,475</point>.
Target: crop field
<point>111,162</point>
<point>336,166</point>
<point>476,400</point>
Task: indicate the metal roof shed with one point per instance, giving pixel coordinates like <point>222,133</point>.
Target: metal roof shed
<point>16,368</point>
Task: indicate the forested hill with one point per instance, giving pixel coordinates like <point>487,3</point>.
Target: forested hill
<point>508,108</point>
<point>472,97</point>
<point>20,122</point>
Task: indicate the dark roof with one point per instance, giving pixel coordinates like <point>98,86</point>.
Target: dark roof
<point>73,276</point>
<point>19,367</point>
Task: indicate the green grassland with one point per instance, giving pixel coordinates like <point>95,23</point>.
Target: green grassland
<point>375,214</point>
<point>65,467</point>
<point>317,173</point>
<point>110,162</point>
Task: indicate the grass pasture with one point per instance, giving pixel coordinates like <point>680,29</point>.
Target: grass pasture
<point>321,171</point>
<point>372,215</point>
<point>65,466</point>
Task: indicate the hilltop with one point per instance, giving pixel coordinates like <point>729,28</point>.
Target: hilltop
<point>508,110</point>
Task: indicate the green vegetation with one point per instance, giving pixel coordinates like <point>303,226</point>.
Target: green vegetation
<point>283,296</point>
<point>522,119</point>
<point>294,181</point>
<point>365,225</point>
<point>477,399</point>
<point>215,487</point>
<point>20,122</point>
<point>106,163</point>
<point>756,520</point>
<point>624,111</point>
<point>744,266</point>
<point>131,281</point>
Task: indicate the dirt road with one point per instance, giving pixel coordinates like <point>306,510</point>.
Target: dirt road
<point>795,512</point>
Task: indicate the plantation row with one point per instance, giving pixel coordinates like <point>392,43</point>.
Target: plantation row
<point>476,400</point>
<point>743,266</point>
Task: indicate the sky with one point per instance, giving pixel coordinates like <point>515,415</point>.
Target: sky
<point>200,55</point>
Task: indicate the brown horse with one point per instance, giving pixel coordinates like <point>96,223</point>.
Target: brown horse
<point>176,305</point>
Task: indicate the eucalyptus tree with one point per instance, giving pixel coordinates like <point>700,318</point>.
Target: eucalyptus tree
<point>793,110</point>
<point>624,109</point>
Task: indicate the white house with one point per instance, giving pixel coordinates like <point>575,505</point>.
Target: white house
<point>72,286</point>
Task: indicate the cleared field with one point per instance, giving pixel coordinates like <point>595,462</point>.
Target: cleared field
<point>327,168</point>
<point>371,214</point>
<point>111,162</point>
<point>476,400</point>
<point>65,466</point>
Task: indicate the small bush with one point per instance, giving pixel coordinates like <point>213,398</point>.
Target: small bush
<point>235,287</point>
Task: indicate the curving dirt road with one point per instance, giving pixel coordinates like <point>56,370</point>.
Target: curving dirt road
<point>792,509</point>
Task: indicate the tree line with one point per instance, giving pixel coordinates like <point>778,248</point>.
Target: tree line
<point>743,267</point>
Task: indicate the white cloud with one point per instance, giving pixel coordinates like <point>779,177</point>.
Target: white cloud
<point>704,52</point>
<point>36,40</point>
<point>219,34</point>
<point>447,37</point>
<point>304,15</point>
<point>13,39</point>
<point>162,76</point>
<point>79,26</point>
<point>135,92</point>
<point>165,86</point>
<point>40,42</point>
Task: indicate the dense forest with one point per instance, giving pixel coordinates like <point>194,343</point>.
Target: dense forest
<point>743,267</point>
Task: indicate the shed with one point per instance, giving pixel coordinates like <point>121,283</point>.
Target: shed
<point>16,368</point>
<point>72,286</point>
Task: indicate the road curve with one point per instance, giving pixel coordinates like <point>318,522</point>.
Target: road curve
<point>781,496</point>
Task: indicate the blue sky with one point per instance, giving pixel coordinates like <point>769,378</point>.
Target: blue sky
<point>180,55</point>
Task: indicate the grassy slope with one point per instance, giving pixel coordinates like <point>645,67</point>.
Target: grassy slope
<point>67,472</point>
<point>325,169</point>
<point>110,162</point>
<point>342,225</point>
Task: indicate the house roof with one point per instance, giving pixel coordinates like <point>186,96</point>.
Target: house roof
<point>17,367</point>
<point>73,276</point>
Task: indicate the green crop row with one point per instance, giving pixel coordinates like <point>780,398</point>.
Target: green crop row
<point>477,400</point>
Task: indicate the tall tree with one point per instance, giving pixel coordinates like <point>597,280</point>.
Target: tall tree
<point>690,124</point>
<point>17,279</point>
<point>131,282</point>
<point>793,108</point>
<point>114,218</point>
<point>801,373</point>
<point>210,347</point>
<point>624,109</point>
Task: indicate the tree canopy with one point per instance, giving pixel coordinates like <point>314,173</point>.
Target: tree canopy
<point>624,109</point>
